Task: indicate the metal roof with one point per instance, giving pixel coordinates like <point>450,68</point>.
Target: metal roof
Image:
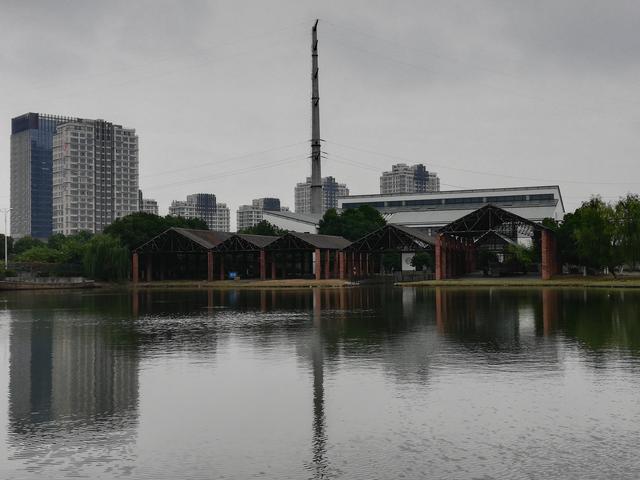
<point>310,241</point>
<point>488,218</point>
<point>241,242</point>
<point>206,239</point>
<point>309,218</point>
<point>392,237</point>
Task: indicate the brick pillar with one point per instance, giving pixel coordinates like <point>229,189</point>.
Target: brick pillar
<point>273,266</point>
<point>341,262</point>
<point>263,264</point>
<point>221,267</point>
<point>134,268</point>
<point>548,255</point>
<point>318,264</point>
<point>360,270</point>
<point>336,264</point>
<point>209,266</point>
<point>438,259</point>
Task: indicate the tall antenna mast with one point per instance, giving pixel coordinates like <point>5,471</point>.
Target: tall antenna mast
<point>316,175</point>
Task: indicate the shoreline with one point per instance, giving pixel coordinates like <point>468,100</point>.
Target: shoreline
<point>240,284</point>
<point>561,282</point>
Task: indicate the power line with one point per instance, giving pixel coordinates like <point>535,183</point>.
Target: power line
<point>355,163</point>
<point>476,172</point>
<point>229,173</point>
<point>227,160</point>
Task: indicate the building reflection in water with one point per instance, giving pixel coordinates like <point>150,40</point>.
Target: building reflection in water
<point>74,367</point>
<point>73,389</point>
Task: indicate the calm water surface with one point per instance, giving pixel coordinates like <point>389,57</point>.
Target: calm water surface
<point>360,383</point>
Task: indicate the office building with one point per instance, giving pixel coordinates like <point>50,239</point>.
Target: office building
<point>430,211</point>
<point>31,173</point>
<point>331,191</point>
<point>95,175</point>
<point>409,179</point>
<point>203,206</point>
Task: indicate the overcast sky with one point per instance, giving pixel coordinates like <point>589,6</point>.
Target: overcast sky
<point>491,93</point>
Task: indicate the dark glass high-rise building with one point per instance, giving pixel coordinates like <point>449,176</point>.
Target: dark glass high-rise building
<point>32,173</point>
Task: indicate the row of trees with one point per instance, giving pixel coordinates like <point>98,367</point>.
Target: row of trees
<point>103,256</point>
<point>600,235</point>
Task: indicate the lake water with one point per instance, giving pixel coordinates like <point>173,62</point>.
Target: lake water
<point>361,383</point>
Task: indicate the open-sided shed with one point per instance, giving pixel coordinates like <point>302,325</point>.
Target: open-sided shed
<point>176,253</point>
<point>243,254</point>
<point>489,227</point>
<point>300,255</point>
<point>364,256</point>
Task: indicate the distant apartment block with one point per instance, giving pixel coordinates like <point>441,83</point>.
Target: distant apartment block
<point>222,219</point>
<point>31,165</point>
<point>203,206</point>
<point>331,191</point>
<point>149,205</point>
<point>248,216</point>
<point>95,175</point>
<point>409,179</point>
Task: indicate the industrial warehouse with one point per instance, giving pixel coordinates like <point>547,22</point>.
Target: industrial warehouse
<point>185,254</point>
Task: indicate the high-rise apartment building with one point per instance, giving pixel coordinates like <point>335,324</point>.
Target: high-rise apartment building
<point>32,173</point>
<point>331,190</point>
<point>247,216</point>
<point>149,205</point>
<point>222,219</point>
<point>250,215</point>
<point>409,179</point>
<point>203,206</point>
<point>95,175</point>
<point>267,203</point>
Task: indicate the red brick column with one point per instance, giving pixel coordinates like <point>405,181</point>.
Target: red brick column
<point>273,266</point>
<point>135,268</point>
<point>341,262</point>
<point>263,264</point>
<point>439,257</point>
<point>318,264</point>
<point>221,267</point>
<point>549,268</point>
<point>209,266</point>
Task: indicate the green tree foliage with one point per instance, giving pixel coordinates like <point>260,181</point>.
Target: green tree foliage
<point>263,228</point>
<point>25,243</point>
<point>138,228</point>
<point>422,260</point>
<point>627,212</point>
<point>105,258</point>
<point>40,254</point>
<point>392,261</point>
<point>520,258</point>
<point>595,234</point>
<point>353,223</point>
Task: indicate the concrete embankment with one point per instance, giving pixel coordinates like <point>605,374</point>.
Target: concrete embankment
<point>582,282</point>
<point>46,285</point>
<point>244,284</point>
